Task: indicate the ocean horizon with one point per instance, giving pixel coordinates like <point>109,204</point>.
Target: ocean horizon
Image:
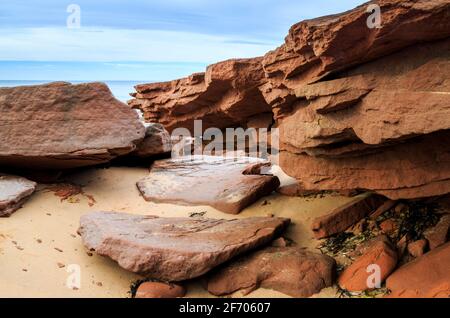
<point>120,89</point>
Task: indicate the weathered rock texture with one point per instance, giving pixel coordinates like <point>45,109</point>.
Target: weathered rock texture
<point>174,249</point>
<point>426,277</point>
<point>14,191</point>
<point>290,270</point>
<point>357,107</point>
<point>60,125</point>
<point>157,141</point>
<point>228,184</point>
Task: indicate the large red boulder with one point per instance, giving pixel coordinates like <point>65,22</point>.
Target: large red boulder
<point>60,125</point>
<point>426,277</point>
<point>290,270</point>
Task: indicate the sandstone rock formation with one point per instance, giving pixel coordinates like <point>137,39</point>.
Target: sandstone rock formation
<point>290,270</point>
<point>228,184</point>
<point>349,100</point>
<point>357,107</point>
<point>156,142</point>
<point>14,191</point>
<point>345,216</point>
<point>377,151</point>
<point>160,290</point>
<point>60,125</point>
<point>226,95</point>
<point>174,249</point>
<point>426,277</point>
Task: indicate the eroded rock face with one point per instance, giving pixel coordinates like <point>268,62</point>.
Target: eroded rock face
<point>354,99</point>
<point>228,184</point>
<point>290,270</point>
<point>226,95</point>
<point>426,277</point>
<point>317,47</point>
<point>414,169</point>
<point>357,107</point>
<point>174,249</point>
<point>377,146</point>
<point>14,191</point>
<point>157,141</point>
<point>373,104</point>
<point>60,125</point>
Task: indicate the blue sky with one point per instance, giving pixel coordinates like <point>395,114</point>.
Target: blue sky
<point>143,40</point>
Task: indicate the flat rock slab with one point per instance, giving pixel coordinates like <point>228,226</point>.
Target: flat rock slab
<point>290,270</point>
<point>13,192</point>
<point>174,249</point>
<point>60,125</point>
<point>226,183</point>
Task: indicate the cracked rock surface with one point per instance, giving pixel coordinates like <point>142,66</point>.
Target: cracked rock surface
<point>174,249</point>
<point>226,183</point>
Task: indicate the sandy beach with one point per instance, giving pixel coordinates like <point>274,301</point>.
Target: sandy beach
<point>39,242</point>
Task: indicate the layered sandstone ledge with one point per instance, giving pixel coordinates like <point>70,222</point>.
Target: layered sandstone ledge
<point>357,107</point>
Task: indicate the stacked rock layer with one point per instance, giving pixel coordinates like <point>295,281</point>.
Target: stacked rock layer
<point>356,107</point>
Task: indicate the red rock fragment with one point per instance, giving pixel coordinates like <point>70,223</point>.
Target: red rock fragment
<point>356,277</point>
<point>427,276</point>
<point>345,216</point>
<point>160,290</point>
<point>290,270</point>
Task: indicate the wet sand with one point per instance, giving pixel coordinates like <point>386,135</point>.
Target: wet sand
<point>39,239</point>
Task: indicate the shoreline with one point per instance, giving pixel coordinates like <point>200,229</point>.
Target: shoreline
<point>45,218</point>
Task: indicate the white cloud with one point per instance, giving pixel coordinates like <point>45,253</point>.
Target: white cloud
<point>108,44</point>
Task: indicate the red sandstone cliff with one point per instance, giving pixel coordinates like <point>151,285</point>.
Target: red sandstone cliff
<point>357,107</point>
